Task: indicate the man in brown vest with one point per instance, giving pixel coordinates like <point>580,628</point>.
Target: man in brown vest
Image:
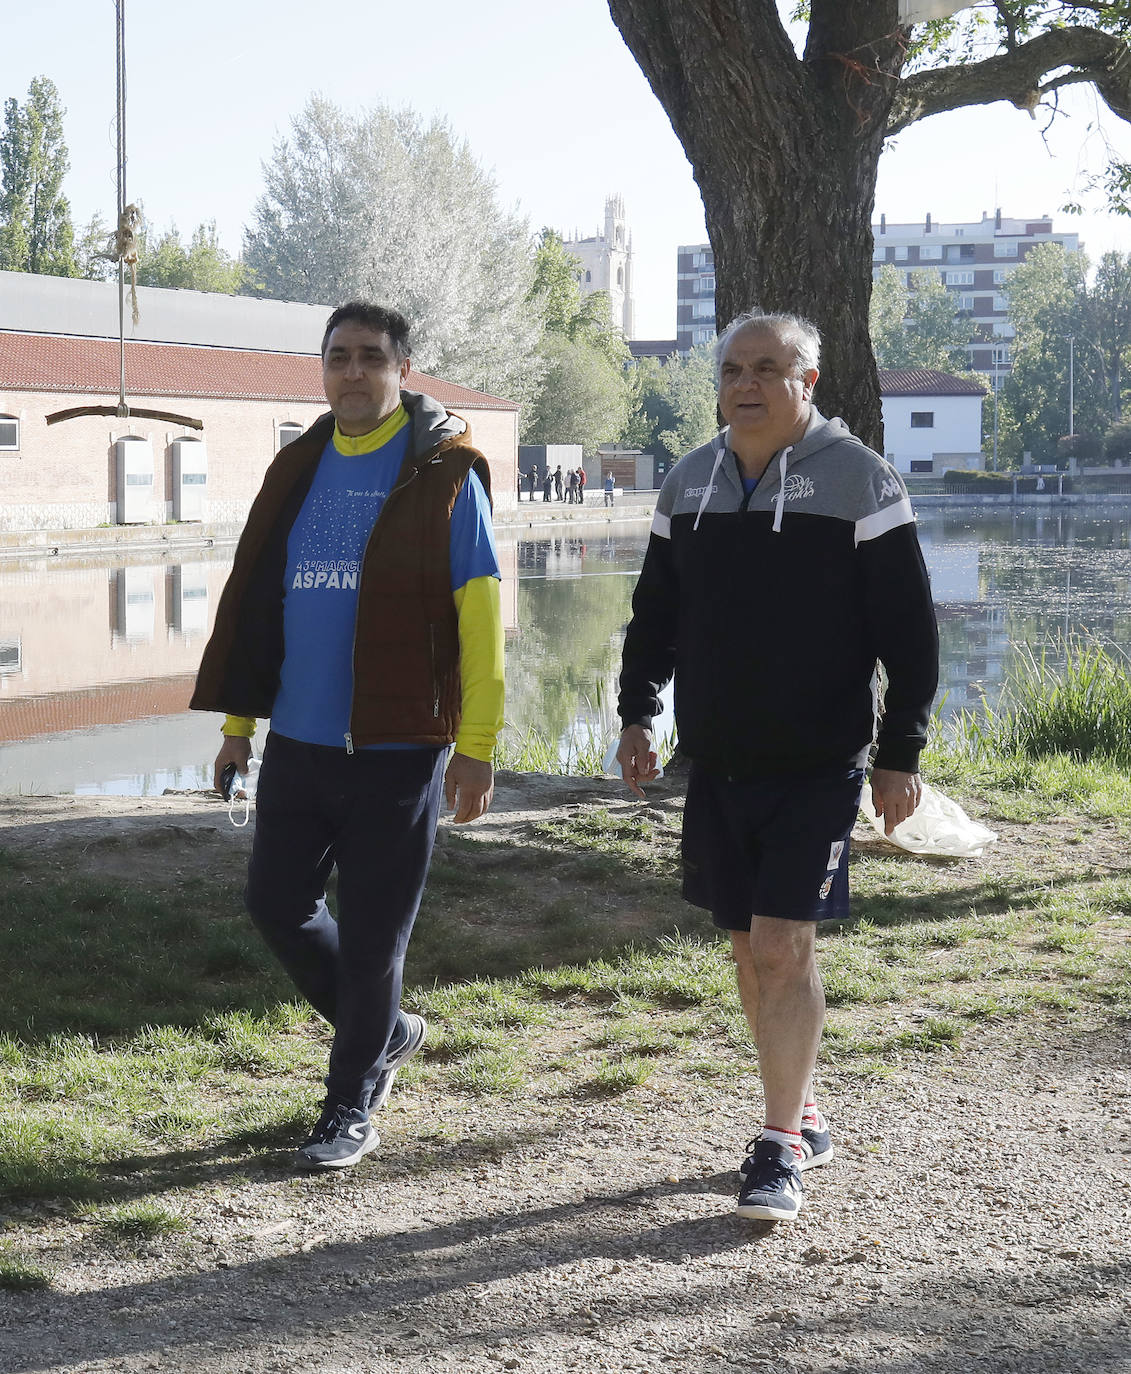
<point>362,616</point>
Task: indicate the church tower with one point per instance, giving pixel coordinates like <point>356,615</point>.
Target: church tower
<point>606,264</point>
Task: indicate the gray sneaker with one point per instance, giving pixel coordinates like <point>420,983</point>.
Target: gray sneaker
<point>816,1147</point>
<point>816,1144</point>
<point>417,1029</point>
<point>340,1138</point>
<point>771,1184</point>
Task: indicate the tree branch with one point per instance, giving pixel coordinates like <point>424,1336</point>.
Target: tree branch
<point>1017,76</point>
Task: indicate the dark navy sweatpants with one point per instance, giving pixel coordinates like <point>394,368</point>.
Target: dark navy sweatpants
<point>373,815</point>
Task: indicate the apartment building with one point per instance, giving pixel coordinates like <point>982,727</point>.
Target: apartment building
<point>694,297</point>
<point>975,260</point>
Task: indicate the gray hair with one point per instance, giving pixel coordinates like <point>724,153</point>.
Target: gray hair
<point>794,329</point>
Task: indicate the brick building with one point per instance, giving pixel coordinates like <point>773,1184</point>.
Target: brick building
<point>103,470</point>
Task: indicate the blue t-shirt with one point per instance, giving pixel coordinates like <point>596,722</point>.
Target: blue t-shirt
<point>324,553</point>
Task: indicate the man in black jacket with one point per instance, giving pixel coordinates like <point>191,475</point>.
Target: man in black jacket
<point>782,564</point>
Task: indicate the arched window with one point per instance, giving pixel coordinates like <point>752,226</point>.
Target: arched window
<point>589,276</point>
<point>288,432</point>
<point>9,434</point>
<point>620,276</point>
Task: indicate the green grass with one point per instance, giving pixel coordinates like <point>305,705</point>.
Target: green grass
<point>615,1076</point>
<point>18,1273</point>
<point>137,1222</point>
<point>150,1048</point>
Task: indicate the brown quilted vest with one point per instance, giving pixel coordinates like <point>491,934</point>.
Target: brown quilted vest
<point>406,664</point>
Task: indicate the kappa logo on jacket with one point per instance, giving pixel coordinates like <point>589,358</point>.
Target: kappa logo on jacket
<point>798,487</point>
<point>890,488</point>
<point>698,491</point>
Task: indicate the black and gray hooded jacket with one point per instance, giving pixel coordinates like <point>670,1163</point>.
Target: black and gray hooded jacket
<point>773,611</point>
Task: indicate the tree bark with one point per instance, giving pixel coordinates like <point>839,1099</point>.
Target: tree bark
<point>785,151</point>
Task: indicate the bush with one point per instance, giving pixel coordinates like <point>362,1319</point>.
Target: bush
<point>1085,447</point>
<point>1083,710</point>
<point>1117,441</point>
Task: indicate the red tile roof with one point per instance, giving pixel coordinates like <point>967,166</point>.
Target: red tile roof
<point>52,362</point>
<point>919,381</point>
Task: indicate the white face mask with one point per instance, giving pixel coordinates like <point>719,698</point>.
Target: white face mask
<point>243,794</point>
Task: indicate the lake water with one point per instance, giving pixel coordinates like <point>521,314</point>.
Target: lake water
<point>97,656</point>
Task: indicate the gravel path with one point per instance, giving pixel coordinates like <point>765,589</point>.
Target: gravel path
<point>975,1218</point>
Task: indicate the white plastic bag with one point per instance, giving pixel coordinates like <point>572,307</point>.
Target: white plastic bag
<point>939,826</point>
<point>611,767</point>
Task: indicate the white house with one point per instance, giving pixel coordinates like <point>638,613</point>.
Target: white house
<point>932,421</point>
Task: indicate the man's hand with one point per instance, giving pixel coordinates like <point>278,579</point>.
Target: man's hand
<point>469,785</point>
<point>235,749</point>
<point>637,758</point>
<point>895,795</point>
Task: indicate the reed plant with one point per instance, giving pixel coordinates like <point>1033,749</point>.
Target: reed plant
<point>1078,707</point>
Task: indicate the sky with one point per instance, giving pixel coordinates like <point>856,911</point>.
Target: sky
<point>548,97</point>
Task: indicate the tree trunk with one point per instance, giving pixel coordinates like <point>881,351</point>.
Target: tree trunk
<point>785,151</point>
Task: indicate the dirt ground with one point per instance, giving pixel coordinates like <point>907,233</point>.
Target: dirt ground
<point>975,1216</point>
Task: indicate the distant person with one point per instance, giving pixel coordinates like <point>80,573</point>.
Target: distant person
<point>572,486</point>
<point>547,485</point>
<point>782,564</point>
<point>581,486</point>
<point>532,480</point>
<point>558,483</point>
<point>371,656</point>
<point>610,489</point>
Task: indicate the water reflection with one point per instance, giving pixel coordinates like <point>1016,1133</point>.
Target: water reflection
<point>1010,585</point>
<point>97,657</point>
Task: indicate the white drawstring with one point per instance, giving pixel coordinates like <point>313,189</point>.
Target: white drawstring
<point>779,505</point>
<point>720,451</point>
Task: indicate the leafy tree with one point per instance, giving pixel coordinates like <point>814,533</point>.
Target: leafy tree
<point>650,406</point>
<point>565,309</point>
<point>385,206</point>
<point>675,405</point>
<point>917,327</point>
<point>36,234</point>
<point>1053,297</point>
<point>785,145</point>
<point>164,260</point>
<point>584,399</point>
<point>92,261</point>
<point>584,396</point>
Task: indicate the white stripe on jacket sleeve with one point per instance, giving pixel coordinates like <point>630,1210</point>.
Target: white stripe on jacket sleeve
<point>662,525</point>
<point>880,521</point>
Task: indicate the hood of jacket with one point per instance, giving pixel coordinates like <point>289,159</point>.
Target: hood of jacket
<point>432,424</point>
<point>710,460</point>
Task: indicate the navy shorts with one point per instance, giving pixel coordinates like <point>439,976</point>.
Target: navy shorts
<point>774,845</point>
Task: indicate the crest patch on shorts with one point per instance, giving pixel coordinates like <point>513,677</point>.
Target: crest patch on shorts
<point>826,887</point>
<point>836,849</point>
